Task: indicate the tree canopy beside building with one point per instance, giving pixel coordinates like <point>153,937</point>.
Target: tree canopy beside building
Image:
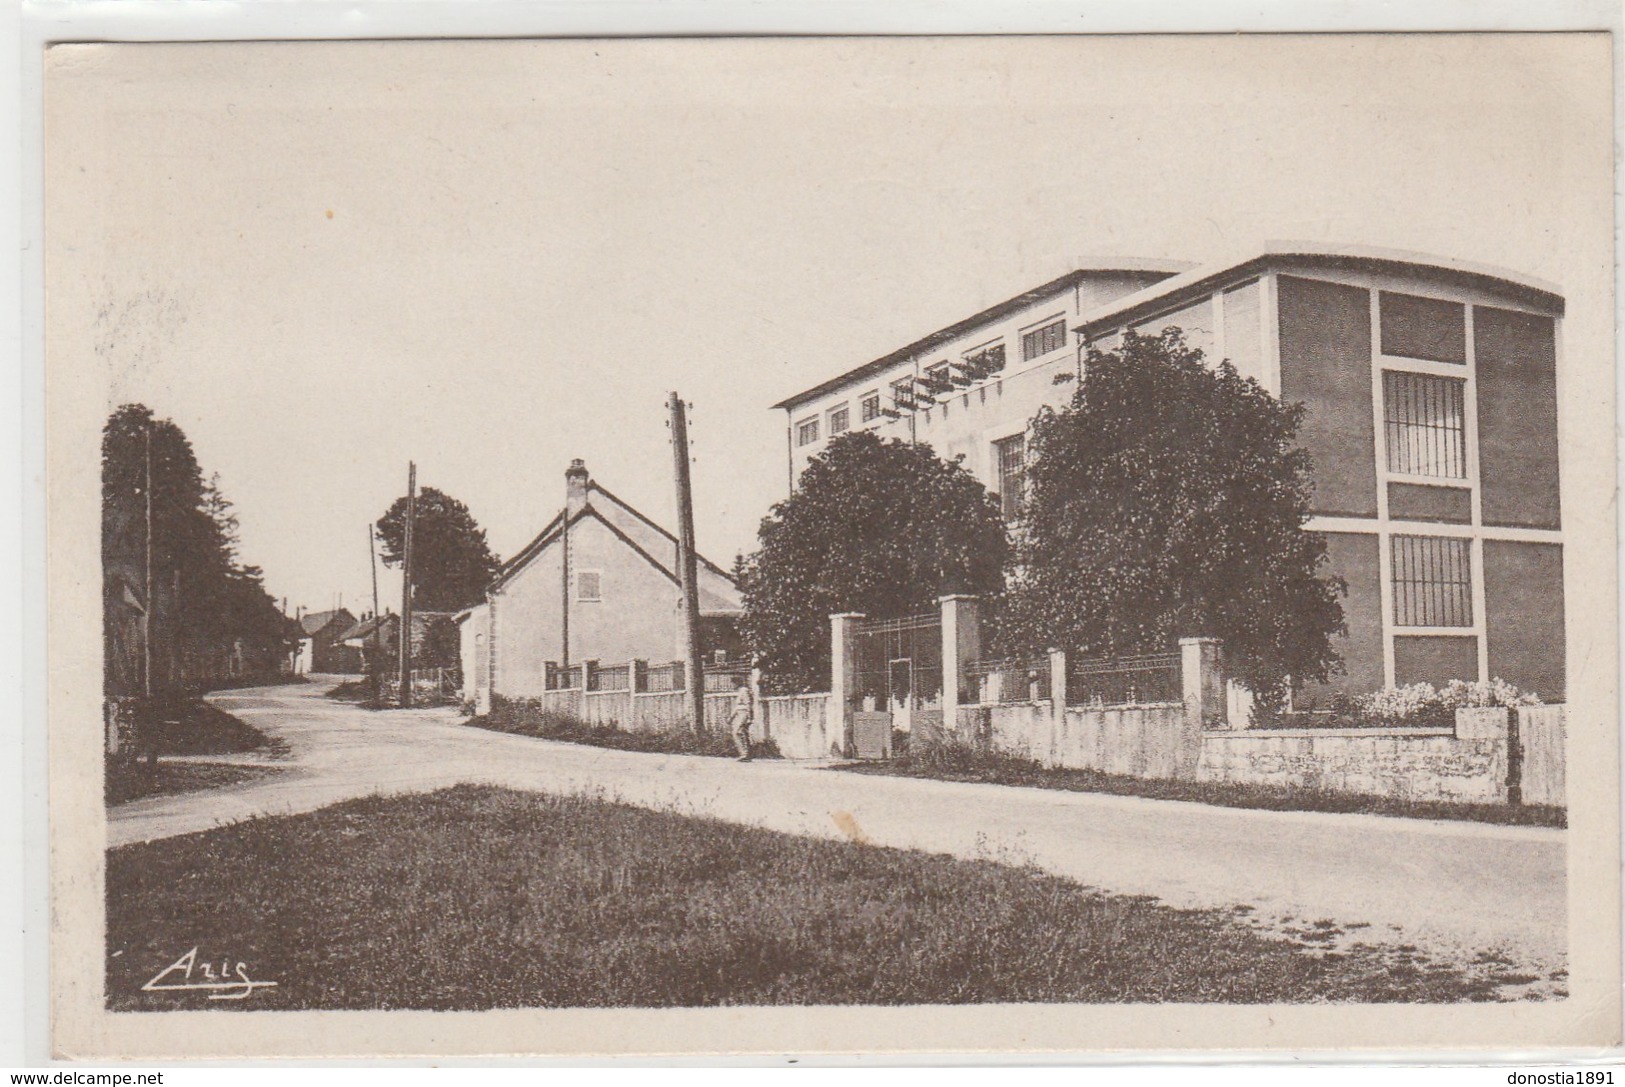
<point>451,561</point>
<point>882,527</point>
<point>1168,500</point>
<point>210,616</point>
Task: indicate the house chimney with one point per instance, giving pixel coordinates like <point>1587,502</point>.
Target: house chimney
<point>575,487</point>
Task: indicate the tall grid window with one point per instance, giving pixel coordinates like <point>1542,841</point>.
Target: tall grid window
<point>1010,457</point>
<point>1433,581</point>
<point>807,432</point>
<point>870,410</point>
<point>838,419</point>
<point>589,586</point>
<point>1426,424</point>
<point>1041,341</point>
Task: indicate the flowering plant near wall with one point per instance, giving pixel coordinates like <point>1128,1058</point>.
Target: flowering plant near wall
<point>1422,703</point>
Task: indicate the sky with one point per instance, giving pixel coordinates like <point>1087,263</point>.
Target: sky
<point>325,260</point>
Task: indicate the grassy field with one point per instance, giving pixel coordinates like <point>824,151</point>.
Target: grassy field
<point>137,780</point>
<point>477,897</point>
<point>193,728</point>
<point>959,764</point>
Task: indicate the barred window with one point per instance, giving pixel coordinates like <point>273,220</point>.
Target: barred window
<point>838,420</point>
<point>1427,434</point>
<point>1010,457</point>
<point>870,410</point>
<point>1433,581</point>
<point>1041,341</point>
<point>807,432</point>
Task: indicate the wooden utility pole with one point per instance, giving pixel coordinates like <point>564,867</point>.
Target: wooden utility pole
<point>149,716</point>
<point>688,564</point>
<point>405,638</point>
<point>377,620</point>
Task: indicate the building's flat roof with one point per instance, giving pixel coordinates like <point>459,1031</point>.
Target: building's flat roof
<point>1088,269</point>
<point>1273,255</point>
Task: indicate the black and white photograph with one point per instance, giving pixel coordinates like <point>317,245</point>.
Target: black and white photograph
<point>874,544</point>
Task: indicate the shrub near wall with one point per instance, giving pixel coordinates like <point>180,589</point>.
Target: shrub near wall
<point>535,717</point>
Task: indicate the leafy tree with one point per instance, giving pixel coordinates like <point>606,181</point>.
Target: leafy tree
<point>451,561</point>
<point>204,606</point>
<point>881,527</point>
<point>1169,500</point>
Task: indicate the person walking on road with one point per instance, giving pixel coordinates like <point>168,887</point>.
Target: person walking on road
<point>744,711</point>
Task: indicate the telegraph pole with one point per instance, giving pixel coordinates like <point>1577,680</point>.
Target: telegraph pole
<point>377,621</point>
<point>687,564</point>
<point>405,638</point>
<point>146,612</point>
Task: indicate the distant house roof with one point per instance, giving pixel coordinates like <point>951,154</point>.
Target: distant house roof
<point>718,593</point>
<point>361,633</point>
<point>992,313</point>
<point>313,622</point>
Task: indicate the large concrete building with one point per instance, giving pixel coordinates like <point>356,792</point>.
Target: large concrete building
<point>1431,389</point>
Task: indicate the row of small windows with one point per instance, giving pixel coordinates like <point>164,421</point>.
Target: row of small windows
<point>938,380</point>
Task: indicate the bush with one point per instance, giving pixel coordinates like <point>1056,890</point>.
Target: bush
<point>527,717</point>
<point>1415,705</point>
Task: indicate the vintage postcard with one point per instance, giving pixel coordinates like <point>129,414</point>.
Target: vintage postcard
<point>1061,544</point>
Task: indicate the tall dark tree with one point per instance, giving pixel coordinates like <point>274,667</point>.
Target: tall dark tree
<point>206,612</point>
<point>881,527</point>
<point>1169,500</point>
<point>451,561</point>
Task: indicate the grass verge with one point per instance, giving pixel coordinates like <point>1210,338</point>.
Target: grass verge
<point>523,719</point>
<point>192,727</point>
<point>478,897</point>
<point>137,780</point>
<point>954,763</point>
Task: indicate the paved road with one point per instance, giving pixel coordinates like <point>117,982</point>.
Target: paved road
<point>1448,887</point>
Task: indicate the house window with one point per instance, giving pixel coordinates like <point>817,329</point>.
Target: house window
<point>1433,581</point>
<point>1009,456</point>
<point>984,361</point>
<point>870,409</point>
<point>838,420</point>
<point>1041,341</point>
<point>1424,424</point>
<point>589,586</point>
<point>807,432</point>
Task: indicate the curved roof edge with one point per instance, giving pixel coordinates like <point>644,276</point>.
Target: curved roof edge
<point>1086,267</point>
<point>1539,292</point>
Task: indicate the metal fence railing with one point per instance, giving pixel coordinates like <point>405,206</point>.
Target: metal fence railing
<point>724,678</point>
<point>564,679</point>
<point>664,677</point>
<point>614,678</point>
<point>1005,681</point>
<point>1124,681</point>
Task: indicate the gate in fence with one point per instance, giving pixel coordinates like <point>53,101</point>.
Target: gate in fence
<point>898,681</point>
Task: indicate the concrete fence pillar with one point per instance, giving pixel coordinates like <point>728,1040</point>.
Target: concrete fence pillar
<point>1202,684</point>
<point>961,647</point>
<point>1202,681</point>
<point>762,727</point>
<point>843,676</point>
<point>637,675</point>
<point>550,675</point>
<point>589,675</point>
<point>1057,705</point>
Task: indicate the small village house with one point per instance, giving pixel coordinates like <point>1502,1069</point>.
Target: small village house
<point>598,584</point>
<point>321,645</point>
